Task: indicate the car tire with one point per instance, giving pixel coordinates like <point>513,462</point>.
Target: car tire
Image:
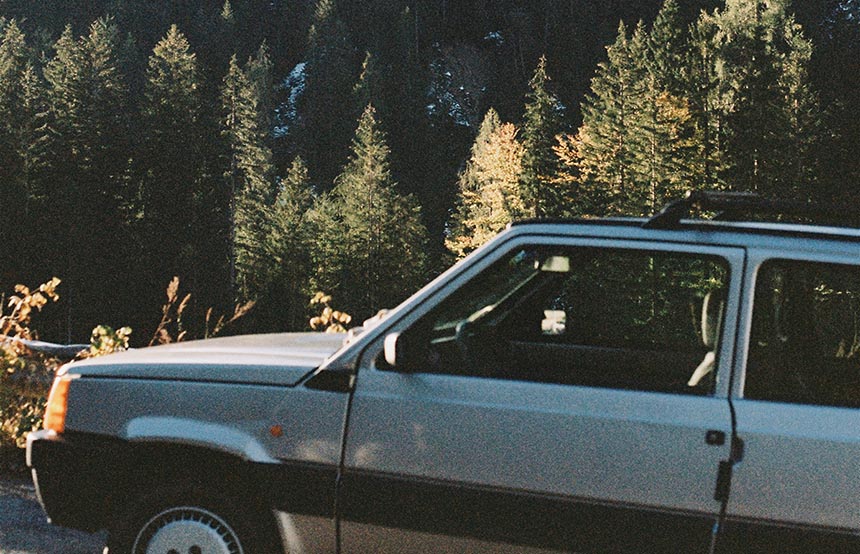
<point>193,524</point>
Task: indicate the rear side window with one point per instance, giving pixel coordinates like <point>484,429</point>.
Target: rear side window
<point>805,340</point>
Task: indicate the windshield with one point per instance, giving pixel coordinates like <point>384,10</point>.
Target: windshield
<point>483,293</point>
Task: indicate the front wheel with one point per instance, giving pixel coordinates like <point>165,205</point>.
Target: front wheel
<point>195,526</point>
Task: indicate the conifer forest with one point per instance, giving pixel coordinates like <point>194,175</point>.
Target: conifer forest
<point>264,150</point>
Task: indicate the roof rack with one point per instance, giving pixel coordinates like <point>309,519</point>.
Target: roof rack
<point>727,204</point>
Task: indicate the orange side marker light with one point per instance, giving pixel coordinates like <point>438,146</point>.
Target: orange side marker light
<point>58,401</point>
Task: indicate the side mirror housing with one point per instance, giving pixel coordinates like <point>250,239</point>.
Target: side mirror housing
<point>400,353</point>
<point>390,349</point>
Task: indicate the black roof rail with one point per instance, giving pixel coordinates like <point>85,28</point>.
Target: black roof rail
<point>732,203</point>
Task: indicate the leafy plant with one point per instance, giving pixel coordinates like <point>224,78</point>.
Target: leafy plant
<point>239,310</point>
<point>171,313</point>
<point>106,340</point>
<point>329,320</point>
<point>171,328</point>
<point>23,304</point>
<point>24,375</point>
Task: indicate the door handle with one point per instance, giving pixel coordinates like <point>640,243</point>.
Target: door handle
<point>715,437</point>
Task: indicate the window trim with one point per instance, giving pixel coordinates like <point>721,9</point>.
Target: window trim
<point>734,257</point>
<point>757,259</point>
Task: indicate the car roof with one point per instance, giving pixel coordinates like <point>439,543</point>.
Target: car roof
<point>732,221</point>
<point>776,235</point>
<point>760,227</point>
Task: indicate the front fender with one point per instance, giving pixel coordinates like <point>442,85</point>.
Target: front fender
<point>192,432</point>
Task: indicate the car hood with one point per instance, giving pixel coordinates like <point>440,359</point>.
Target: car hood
<point>271,359</point>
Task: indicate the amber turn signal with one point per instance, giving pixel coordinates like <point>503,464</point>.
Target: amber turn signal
<point>58,400</point>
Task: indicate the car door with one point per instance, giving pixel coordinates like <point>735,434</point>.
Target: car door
<point>798,415</point>
<point>534,406</point>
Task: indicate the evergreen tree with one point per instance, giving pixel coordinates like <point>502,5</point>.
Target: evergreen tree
<point>756,123</point>
<point>426,154</point>
<point>87,177</point>
<point>172,168</point>
<point>769,114</point>
<point>835,67</point>
<point>667,45</point>
<point>259,70</point>
<point>227,13</point>
<point>368,88</point>
<point>249,177</point>
<point>225,32</point>
<point>290,247</point>
<point>604,146</point>
<point>369,246</point>
<point>490,195</point>
<point>666,142</point>
<point>706,102</point>
<point>543,196</point>
<point>132,65</point>
<point>638,142</point>
<point>20,104</point>
<point>326,108</point>
<point>807,131</point>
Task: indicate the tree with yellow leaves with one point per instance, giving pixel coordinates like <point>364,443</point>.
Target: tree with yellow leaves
<point>490,191</point>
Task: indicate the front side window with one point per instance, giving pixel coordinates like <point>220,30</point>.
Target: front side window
<point>582,316</point>
<point>805,338</point>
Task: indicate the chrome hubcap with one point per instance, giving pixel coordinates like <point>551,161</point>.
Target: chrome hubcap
<point>187,530</point>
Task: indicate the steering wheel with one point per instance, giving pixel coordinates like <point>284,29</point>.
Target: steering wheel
<point>464,334</point>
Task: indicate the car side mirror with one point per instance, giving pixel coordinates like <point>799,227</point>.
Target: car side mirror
<point>398,353</point>
<point>390,349</point>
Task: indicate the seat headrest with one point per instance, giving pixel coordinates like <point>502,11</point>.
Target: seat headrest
<point>712,313</point>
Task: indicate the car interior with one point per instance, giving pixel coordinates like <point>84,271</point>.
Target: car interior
<point>805,338</point>
<point>585,316</point>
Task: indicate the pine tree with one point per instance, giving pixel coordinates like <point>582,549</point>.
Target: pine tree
<point>836,52</point>
<point>87,149</point>
<point>172,159</point>
<point>706,103</point>
<point>259,69</point>
<point>667,45</point>
<point>132,65</point>
<point>756,124</point>
<point>638,145</point>
<point>171,168</point>
<point>490,195</point>
<point>326,109</point>
<point>87,96</point>
<point>768,114</point>
<point>290,249</point>
<point>368,252</point>
<point>807,131</point>
<point>227,13</point>
<point>543,196</point>
<point>666,143</point>
<point>249,176</point>
<point>425,156</point>
<point>20,103</point>
<point>604,145</point>
<point>368,88</point>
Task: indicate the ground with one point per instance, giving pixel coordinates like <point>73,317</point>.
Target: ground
<point>23,527</point>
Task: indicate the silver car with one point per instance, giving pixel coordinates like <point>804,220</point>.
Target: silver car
<point>663,385</point>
